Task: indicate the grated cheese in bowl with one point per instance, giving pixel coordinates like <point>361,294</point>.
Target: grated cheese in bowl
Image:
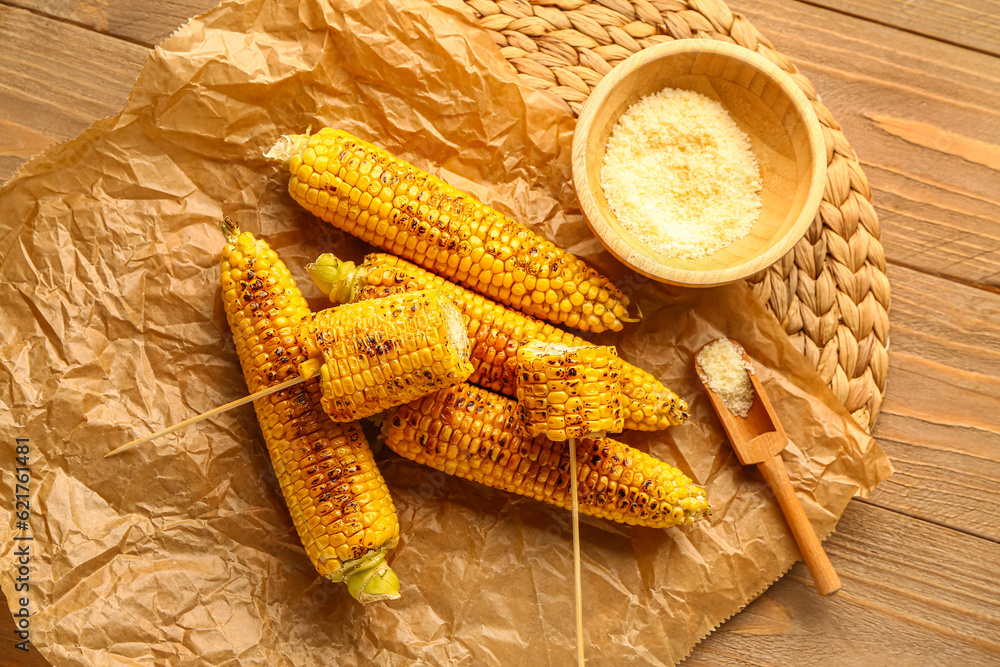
<point>680,175</point>
<point>727,374</point>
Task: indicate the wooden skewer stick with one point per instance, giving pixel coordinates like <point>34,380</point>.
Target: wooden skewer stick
<point>578,590</point>
<point>211,413</point>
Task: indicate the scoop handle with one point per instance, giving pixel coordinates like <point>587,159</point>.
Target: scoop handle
<point>823,575</point>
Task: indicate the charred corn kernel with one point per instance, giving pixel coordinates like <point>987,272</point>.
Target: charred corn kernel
<point>495,332</point>
<point>380,353</point>
<point>568,392</point>
<point>614,480</point>
<point>339,503</point>
<point>432,223</point>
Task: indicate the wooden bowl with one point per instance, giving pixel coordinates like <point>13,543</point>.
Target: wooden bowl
<point>766,104</point>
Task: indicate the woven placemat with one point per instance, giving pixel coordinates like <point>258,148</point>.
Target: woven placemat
<point>831,292</point>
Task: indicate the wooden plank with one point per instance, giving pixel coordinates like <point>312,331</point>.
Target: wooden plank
<point>11,655</point>
<point>940,422</point>
<point>924,117</point>
<point>929,188</point>
<point>914,594</point>
<point>55,80</point>
<point>970,23</point>
<point>146,22</point>
<point>911,590</point>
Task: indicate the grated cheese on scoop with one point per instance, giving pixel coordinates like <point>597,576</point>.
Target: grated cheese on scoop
<point>680,175</point>
<point>728,375</point>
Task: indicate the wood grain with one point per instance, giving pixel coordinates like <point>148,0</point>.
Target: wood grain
<point>147,22</point>
<point>916,108</point>
<point>924,117</point>
<point>9,655</point>
<point>969,23</point>
<point>55,81</point>
<point>940,422</point>
<point>911,590</point>
<point>758,437</point>
<point>914,594</point>
<point>824,576</point>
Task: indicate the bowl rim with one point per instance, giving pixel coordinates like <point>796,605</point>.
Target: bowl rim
<point>692,277</point>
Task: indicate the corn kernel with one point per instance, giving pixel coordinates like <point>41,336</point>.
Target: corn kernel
<point>497,332</point>
<point>295,428</point>
<point>476,438</point>
<point>427,351</point>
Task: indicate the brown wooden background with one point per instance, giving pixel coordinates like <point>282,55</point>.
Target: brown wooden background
<point>916,85</point>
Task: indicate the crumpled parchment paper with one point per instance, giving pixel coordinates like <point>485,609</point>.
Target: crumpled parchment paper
<point>182,552</point>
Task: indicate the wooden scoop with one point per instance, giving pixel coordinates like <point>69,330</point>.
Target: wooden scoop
<point>759,438</point>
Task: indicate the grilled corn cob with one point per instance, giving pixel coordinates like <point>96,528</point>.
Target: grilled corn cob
<point>568,392</point>
<point>471,433</point>
<point>496,333</point>
<point>363,190</point>
<point>385,352</point>
<point>338,501</point>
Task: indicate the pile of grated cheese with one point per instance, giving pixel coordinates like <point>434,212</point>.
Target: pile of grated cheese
<point>680,175</point>
<point>728,375</point>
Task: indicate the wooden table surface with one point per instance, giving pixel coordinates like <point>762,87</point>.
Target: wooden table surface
<point>916,86</point>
